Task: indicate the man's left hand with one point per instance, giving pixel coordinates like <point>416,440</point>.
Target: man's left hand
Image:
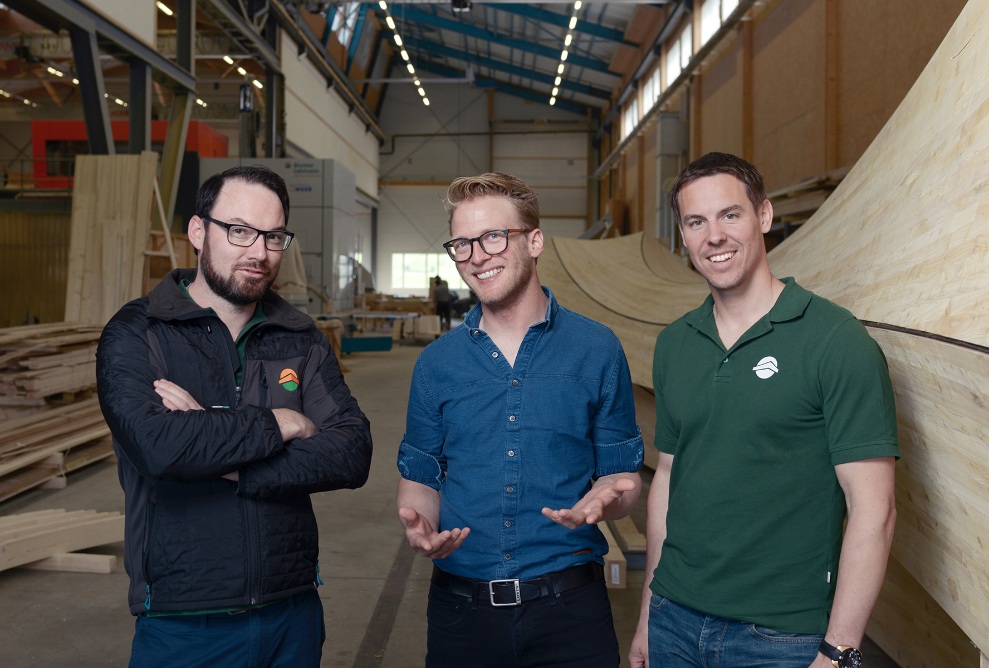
<point>174,397</point>
<point>590,509</point>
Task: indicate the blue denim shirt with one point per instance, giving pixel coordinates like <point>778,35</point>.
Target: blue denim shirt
<point>500,443</point>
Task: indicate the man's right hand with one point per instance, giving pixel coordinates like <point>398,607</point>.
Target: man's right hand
<point>293,424</point>
<point>425,540</point>
<point>638,653</point>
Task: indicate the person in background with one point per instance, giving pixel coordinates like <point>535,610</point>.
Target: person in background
<point>441,297</point>
<point>774,420</point>
<point>520,438</point>
<point>227,409</point>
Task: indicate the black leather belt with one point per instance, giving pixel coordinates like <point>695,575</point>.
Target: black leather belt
<point>516,592</point>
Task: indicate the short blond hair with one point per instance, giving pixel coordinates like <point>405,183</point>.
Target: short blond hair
<point>495,184</point>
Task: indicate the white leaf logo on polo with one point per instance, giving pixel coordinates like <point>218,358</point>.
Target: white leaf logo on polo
<point>766,367</point>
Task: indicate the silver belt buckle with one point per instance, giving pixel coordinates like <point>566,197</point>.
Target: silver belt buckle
<point>518,592</point>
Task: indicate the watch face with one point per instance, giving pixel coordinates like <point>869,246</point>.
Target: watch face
<point>850,658</point>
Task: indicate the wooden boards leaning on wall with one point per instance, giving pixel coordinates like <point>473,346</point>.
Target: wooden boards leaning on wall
<point>112,199</point>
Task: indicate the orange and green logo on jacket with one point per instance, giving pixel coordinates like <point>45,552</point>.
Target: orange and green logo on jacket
<point>289,380</point>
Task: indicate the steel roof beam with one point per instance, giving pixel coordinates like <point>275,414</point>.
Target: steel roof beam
<point>73,14</point>
<point>563,20</point>
<point>411,13</point>
<point>541,77</point>
<point>508,89</point>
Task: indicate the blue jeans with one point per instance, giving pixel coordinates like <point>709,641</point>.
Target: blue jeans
<point>573,629</point>
<point>288,633</point>
<point>680,637</point>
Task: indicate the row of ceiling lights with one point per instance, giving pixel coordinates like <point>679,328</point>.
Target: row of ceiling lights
<point>563,54</point>
<point>405,54</point>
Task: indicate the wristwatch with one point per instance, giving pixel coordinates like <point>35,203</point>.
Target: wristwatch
<point>841,656</point>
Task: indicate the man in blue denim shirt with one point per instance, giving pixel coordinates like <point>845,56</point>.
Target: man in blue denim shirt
<point>520,437</point>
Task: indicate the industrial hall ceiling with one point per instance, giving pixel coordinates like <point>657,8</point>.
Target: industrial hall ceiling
<point>576,56</point>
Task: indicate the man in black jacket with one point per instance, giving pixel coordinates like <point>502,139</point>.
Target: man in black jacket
<point>227,409</point>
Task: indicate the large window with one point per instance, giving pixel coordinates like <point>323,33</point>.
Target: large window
<point>713,14</point>
<point>651,90</point>
<point>412,271</point>
<point>679,54</point>
<point>631,118</point>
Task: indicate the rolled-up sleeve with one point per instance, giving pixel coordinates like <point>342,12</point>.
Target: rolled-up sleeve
<point>420,455</point>
<point>617,438</point>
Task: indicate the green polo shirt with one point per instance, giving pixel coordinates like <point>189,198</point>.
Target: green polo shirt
<point>755,510</point>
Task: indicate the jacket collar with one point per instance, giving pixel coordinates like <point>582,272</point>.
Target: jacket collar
<point>166,302</point>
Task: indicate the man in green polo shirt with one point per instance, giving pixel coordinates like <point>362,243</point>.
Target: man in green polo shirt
<point>774,418</point>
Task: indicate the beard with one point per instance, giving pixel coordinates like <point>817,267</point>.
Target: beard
<point>244,292</point>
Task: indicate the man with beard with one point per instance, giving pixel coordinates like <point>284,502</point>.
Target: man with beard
<point>520,437</point>
<point>227,409</point>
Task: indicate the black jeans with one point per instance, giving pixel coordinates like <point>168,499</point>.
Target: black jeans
<point>570,630</point>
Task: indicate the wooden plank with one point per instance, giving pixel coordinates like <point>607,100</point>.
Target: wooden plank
<point>101,529</point>
<point>16,530</point>
<point>76,562</point>
<point>628,536</point>
<point>32,457</point>
<point>615,566</point>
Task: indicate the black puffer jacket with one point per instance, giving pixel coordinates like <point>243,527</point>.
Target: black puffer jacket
<point>195,540</point>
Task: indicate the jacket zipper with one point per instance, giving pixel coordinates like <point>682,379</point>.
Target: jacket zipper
<point>250,509</point>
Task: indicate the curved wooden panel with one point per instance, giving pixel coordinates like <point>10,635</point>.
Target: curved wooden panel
<point>638,337</point>
<point>942,479</point>
<point>904,240</point>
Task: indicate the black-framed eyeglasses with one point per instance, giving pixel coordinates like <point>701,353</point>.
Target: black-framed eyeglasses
<point>492,242</point>
<point>239,234</point>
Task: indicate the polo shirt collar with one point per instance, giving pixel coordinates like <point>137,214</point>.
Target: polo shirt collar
<point>790,305</point>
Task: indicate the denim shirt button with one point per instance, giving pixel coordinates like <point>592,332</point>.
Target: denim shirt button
<point>508,555</point>
<point>511,418</point>
<point>509,489</point>
<point>508,523</point>
<point>494,354</point>
<point>515,383</point>
<point>511,453</point>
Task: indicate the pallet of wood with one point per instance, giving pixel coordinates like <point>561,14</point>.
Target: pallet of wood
<point>43,447</point>
<point>44,363</point>
<point>48,539</point>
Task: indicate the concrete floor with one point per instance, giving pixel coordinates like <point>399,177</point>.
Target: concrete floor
<point>375,591</point>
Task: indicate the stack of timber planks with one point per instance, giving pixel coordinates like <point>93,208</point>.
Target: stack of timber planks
<point>51,424</point>
<point>48,539</point>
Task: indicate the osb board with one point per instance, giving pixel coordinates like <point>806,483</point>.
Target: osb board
<point>112,201</point>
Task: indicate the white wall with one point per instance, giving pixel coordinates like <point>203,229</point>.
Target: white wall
<point>463,132</point>
<point>317,120</point>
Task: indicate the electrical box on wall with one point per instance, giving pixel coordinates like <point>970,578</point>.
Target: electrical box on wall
<point>323,195</point>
